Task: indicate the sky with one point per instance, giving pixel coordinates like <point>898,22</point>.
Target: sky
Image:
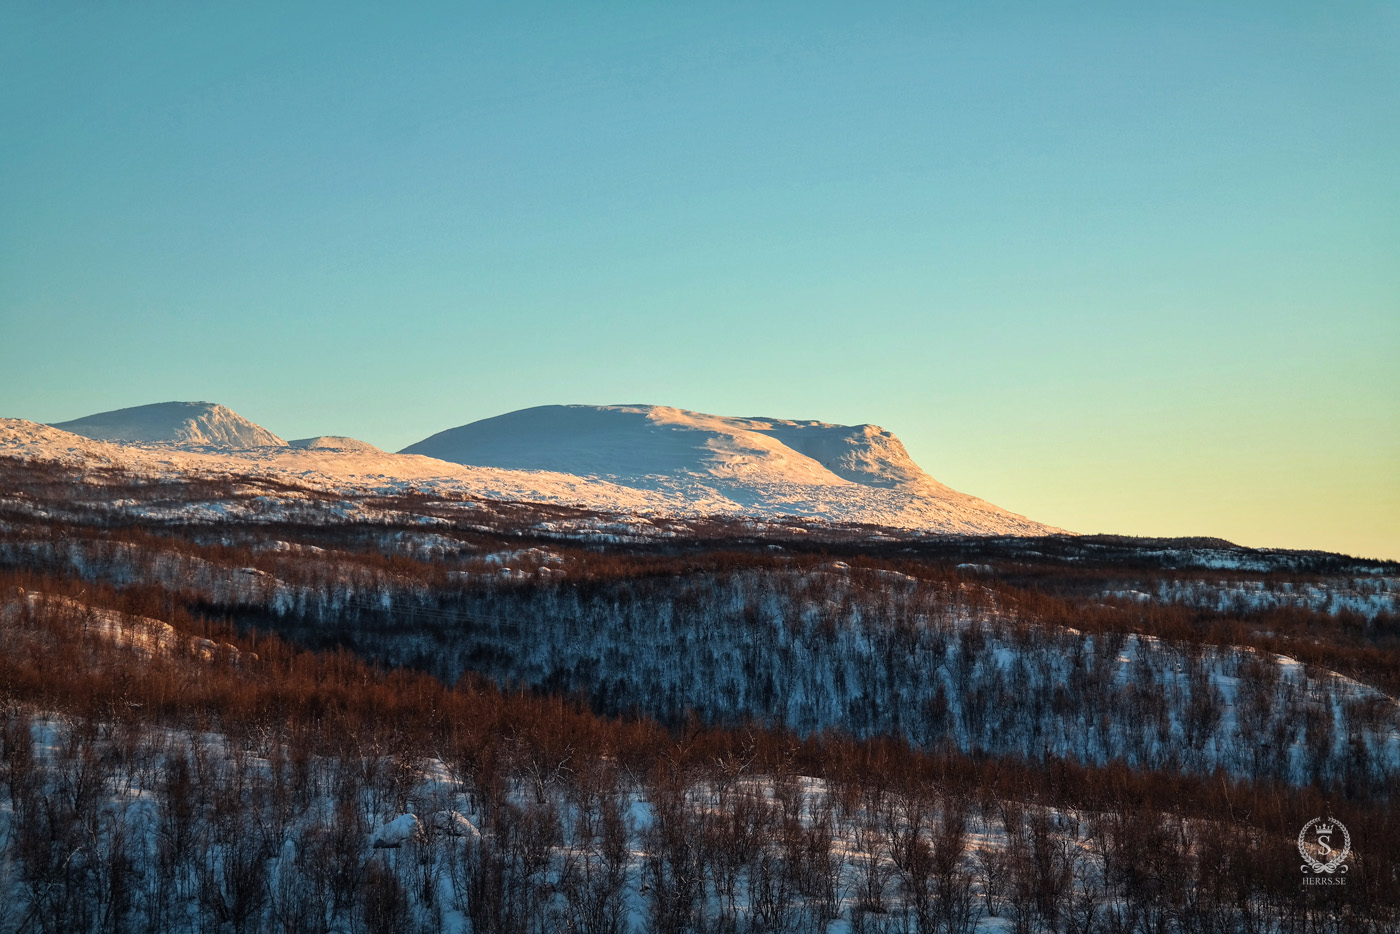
<point>1121,268</point>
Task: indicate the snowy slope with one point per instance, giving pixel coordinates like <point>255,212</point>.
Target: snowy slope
<point>635,459</point>
<point>202,423</point>
<point>20,438</point>
<point>345,465</point>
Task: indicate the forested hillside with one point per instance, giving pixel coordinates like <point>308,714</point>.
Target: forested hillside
<point>449,719</point>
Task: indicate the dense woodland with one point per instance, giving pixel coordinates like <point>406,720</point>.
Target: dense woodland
<point>459,723</point>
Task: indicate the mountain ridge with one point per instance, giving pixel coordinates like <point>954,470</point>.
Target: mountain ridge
<point>638,459</point>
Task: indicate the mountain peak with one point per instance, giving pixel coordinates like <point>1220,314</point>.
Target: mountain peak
<point>201,423</point>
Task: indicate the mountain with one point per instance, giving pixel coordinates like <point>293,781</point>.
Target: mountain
<point>338,443</point>
<point>767,466</point>
<point>637,460</point>
<point>637,442</point>
<point>198,423</point>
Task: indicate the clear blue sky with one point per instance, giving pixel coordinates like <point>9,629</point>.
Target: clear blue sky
<point>1116,267</point>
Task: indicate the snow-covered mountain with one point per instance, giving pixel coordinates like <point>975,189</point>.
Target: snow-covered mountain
<point>771,466</point>
<point>335,443</point>
<point>641,442</point>
<point>643,460</point>
<point>199,423</point>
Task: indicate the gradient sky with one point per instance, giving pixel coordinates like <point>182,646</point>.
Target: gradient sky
<point>1115,267</point>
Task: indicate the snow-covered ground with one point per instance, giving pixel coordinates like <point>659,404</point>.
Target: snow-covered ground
<point>274,840</point>
<point>868,651</point>
<point>1368,596</point>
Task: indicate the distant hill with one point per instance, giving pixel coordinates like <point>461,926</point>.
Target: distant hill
<point>858,473</point>
<point>642,460</point>
<point>199,423</point>
<point>335,443</point>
